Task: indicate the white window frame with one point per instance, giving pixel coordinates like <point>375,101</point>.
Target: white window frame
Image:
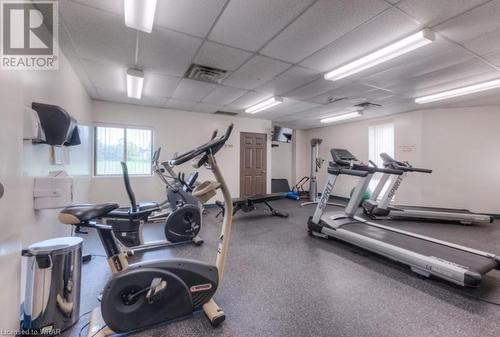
<point>120,126</point>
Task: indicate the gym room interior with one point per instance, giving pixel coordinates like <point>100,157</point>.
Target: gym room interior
<point>243,168</point>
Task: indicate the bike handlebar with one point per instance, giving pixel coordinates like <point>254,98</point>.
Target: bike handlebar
<point>211,147</point>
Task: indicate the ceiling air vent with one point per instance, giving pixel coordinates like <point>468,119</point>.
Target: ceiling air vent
<point>205,74</point>
<point>227,113</point>
<point>368,105</point>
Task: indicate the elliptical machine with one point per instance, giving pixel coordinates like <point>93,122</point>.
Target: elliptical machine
<point>144,294</point>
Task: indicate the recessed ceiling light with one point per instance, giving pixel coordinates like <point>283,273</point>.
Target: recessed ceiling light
<point>342,117</point>
<point>135,82</point>
<point>264,105</point>
<point>387,53</point>
<point>140,14</point>
<point>459,92</point>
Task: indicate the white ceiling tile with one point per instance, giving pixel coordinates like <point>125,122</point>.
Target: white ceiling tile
<point>289,80</point>
<point>99,35</point>
<point>154,101</point>
<point>250,24</point>
<point>223,95</point>
<point>219,56</point>
<point>189,16</point>
<point>418,65</point>
<point>321,24</point>
<point>315,88</point>
<point>193,90</point>
<point>82,75</point>
<point>247,100</point>
<point>255,72</point>
<point>425,55</point>
<point>472,24</point>
<point>121,97</point>
<point>108,76</point>
<point>159,85</point>
<point>485,43</point>
<point>351,91</point>
<point>65,43</point>
<point>206,107</point>
<point>494,58</point>
<point>113,6</point>
<point>432,12</point>
<point>167,52</point>
<point>369,37</point>
<point>289,106</point>
<point>489,97</point>
<point>454,76</point>
<point>179,104</point>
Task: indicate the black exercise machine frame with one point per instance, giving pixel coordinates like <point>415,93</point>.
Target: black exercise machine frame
<point>247,204</point>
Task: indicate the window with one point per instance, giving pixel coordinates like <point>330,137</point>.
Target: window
<point>380,139</point>
<point>116,144</point>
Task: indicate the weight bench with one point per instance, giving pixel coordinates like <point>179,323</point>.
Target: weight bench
<point>248,204</point>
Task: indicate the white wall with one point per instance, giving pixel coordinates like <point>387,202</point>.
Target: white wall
<point>460,145</point>
<point>175,131</point>
<point>20,225</point>
<point>282,161</point>
<point>300,155</point>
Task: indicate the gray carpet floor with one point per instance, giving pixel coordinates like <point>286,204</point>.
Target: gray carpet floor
<point>279,281</point>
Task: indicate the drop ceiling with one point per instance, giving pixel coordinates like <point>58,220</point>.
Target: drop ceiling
<point>283,47</point>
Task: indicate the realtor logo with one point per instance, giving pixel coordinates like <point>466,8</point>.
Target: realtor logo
<point>29,34</point>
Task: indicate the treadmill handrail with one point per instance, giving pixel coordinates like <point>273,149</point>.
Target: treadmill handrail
<point>336,170</point>
<point>427,238</point>
<point>387,170</point>
<point>390,162</point>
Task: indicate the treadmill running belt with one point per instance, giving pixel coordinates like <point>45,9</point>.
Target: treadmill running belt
<point>433,209</point>
<point>473,262</point>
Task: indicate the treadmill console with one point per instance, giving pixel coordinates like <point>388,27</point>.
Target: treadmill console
<point>342,157</point>
<point>390,162</point>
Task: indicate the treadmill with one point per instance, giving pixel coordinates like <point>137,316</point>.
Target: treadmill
<point>384,210</point>
<point>424,255</point>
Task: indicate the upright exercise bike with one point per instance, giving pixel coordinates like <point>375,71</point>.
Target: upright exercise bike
<point>145,294</point>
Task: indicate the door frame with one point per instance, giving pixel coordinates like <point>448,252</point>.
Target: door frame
<point>265,153</point>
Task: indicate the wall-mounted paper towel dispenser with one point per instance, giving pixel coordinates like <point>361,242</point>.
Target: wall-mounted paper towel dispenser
<point>32,127</point>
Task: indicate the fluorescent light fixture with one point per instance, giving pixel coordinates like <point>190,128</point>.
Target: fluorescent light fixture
<point>342,117</point>
<point>140,14</point>
<point>459,92</point>
<point>387,53</point>
<point>264,105</point>
<point>135,82</point>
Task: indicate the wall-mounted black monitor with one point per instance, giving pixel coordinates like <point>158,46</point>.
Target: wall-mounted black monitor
<point>281,134</point>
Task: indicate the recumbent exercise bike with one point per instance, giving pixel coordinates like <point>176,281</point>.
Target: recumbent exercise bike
<point>181,212</point>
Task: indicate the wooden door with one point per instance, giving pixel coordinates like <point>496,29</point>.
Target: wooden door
<point>253,164</point>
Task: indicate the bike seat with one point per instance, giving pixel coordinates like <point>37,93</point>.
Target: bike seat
<point>76,214</point>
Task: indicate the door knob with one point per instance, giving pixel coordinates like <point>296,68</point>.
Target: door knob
<point>1,190</point>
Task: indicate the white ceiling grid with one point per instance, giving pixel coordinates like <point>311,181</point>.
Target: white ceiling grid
<point>283,47</point>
